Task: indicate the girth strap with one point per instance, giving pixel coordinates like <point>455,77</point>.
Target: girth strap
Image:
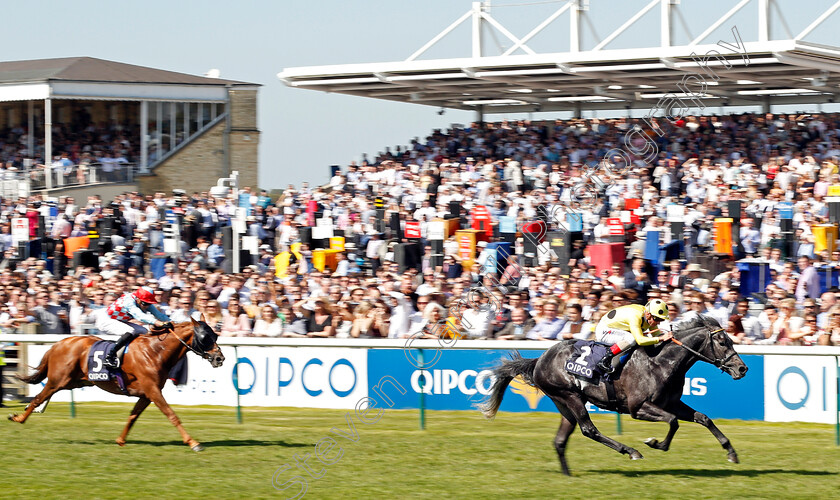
<point>612,402</point>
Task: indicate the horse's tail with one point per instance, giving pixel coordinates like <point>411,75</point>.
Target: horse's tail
<point>509,370</point>
<point>40,372</point>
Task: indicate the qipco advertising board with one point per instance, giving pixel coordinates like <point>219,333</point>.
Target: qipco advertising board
<point>776,388</point>
<point>459,379</point>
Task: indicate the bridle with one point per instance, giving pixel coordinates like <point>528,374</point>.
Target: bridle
<point>203,354</point>
<point>718,362</point>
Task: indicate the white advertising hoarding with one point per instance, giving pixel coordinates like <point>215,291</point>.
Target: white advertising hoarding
<point>800,389</point>
<point>268,376</point>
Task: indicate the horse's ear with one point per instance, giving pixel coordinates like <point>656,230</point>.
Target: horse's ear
<point>194,322</point>
<point>202,318</point>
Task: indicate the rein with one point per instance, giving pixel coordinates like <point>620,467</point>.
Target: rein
<point>202,354</point>
<point>718,362</point>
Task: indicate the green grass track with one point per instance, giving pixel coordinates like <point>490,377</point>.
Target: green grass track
<point>459,455</point>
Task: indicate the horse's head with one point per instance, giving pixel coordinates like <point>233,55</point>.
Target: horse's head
<point>204,343</point>
<point>715,346</point>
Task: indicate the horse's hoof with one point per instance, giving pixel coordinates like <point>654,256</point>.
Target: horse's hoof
<point>733,458</point>
<point>655,444</point>
<point>14,417</point>
<point>120,443</point>
<point>197,447</point>
<point>635,455</point>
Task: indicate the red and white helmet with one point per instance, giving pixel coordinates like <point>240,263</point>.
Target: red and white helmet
<point>145,294</point>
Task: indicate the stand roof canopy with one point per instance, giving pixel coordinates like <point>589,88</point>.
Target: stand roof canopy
<point>98,79</point>
<point>760,71</point>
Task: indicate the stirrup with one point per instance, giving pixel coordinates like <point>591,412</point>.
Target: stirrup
<point>606,368</point>
<point>111,362</point>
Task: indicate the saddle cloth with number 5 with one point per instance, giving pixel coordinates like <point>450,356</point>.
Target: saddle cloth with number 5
<point>584,359</point>
<point>97,371</point>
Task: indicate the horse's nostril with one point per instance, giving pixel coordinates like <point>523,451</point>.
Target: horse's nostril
<point>742,369</point>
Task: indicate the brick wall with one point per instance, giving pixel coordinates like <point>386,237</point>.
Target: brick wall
<point>243,105</point>
<point>244,136</point>
<point>194,168</point>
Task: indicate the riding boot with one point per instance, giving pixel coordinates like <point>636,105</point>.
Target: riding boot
<point>610,362</point>
<point>111,360</point>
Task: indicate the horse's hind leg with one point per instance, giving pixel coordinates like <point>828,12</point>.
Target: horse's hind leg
<point>567,427</point>
<point>588,429</point>
<point>44,409</point>
<point>689,414</point>
<point>141,405</point>
<point>42,396</point>
<point>653,413</point>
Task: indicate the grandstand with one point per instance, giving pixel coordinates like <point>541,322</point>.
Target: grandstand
<point>166,125</point>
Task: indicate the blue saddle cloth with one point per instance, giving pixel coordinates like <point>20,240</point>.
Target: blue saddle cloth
<point>584,359</point>
<point>98,372</point>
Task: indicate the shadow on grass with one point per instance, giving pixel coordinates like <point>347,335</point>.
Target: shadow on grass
<point>222,443</point>
<point>714,472</point>
<point>253,442</point>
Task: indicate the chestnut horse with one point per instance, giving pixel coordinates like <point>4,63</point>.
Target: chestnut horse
<point>146,367</point>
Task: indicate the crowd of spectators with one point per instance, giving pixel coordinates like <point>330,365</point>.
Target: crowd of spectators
<point>509,167</point>
<point>79,147</point>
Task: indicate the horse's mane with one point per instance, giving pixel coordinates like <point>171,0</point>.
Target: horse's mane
<point>694,322</point>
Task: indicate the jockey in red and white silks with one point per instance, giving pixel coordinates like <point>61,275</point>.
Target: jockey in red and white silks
<point>115,319</point>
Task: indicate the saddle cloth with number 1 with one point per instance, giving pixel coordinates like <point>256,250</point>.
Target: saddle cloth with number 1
<point>584,359</point>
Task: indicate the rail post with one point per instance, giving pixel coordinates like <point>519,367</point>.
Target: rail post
<point>72,405</point>
<point>422,382</point>
<point>236,385</point>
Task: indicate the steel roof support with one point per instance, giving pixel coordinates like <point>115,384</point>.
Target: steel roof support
<point>665,30</point>
<point>534,32</point>
<point>477,45</point>
<point>578,9</point>
<point>496,24</point>
<point>818,21</point>
<point>722,20</point>
<point>763,20</point>
<point>440,36</point>
<point>627,24</point>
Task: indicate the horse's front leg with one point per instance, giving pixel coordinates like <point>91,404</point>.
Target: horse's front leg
<point>650,412</point>
<point>156,397</point>
<point>689,414</point>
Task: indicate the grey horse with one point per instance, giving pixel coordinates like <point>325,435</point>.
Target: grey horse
<point>650,386</point>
